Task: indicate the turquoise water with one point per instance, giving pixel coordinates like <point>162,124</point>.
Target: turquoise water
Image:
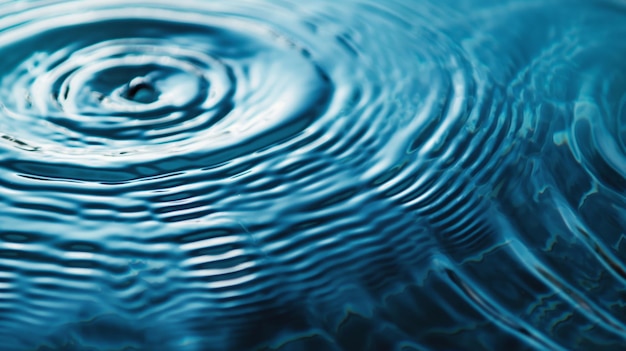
<point>346,175</point>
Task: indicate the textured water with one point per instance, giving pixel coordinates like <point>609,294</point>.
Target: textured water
<point>325,175</point>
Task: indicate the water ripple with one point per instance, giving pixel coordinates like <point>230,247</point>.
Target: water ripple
<point>279,175</point>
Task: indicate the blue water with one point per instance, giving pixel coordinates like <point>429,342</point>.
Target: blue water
<point>351,175</point>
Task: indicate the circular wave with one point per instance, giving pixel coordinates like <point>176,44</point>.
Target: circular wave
<point>273,175</point>
<point>142,83</point>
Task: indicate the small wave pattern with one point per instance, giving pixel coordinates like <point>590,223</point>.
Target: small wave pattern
<point>327,175</point>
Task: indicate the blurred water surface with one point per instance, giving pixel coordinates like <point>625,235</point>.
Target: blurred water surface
<point>328,175</point>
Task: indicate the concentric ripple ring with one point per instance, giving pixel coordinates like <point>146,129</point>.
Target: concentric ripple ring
<point>133,93</point>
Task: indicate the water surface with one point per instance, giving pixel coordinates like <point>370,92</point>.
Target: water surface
<point>334,175</point>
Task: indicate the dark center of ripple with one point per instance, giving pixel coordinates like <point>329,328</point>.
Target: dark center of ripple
<point>140,90</point>
<point>143,88</point>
